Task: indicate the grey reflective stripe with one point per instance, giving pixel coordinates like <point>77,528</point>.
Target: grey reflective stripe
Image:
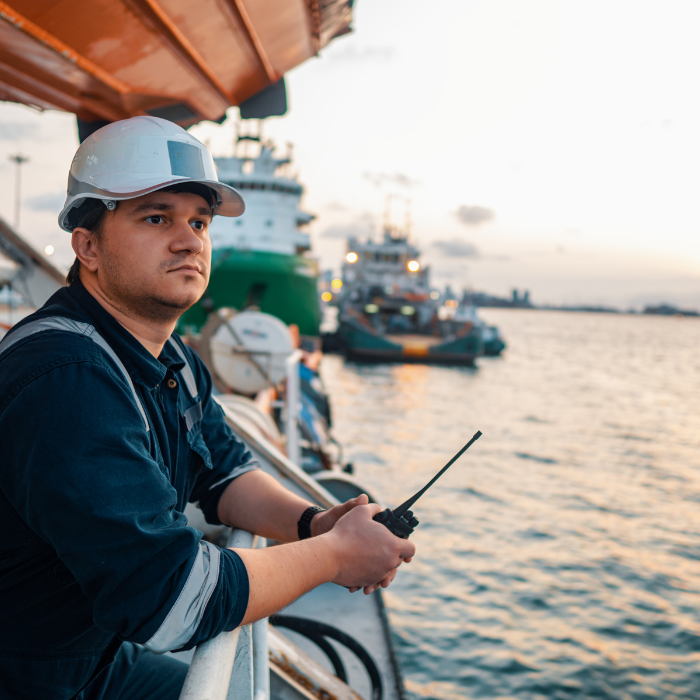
<point>59,323</point>
<point>193,415</point>
<point>186,371</point>
<point>242,469</point>
<point>184,617</point>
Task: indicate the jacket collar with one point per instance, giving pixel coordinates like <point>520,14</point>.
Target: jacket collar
<point>143,368</point>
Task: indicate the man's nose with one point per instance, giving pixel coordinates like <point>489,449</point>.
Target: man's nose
<point>186,240</point>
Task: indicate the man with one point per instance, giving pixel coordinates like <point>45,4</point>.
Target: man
<point>108,428</point>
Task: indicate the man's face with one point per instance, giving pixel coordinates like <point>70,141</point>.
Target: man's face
<point>155,253</point>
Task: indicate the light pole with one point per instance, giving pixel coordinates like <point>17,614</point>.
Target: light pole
<point>18,159</point>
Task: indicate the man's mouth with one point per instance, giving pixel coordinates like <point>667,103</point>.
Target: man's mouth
<point>191,267</point>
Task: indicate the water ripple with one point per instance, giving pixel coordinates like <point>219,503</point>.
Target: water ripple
<point>560,558</point>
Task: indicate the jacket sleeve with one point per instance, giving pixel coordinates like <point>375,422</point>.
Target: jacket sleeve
<point>230,457</point>
<point>83,479</point>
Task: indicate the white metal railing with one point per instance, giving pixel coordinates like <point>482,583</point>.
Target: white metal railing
<point>291,429</point>
<point>234,665</point>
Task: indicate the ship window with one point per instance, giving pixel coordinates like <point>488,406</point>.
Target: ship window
<point>367,255</point>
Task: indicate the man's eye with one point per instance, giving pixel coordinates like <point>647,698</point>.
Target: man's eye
<point>155,219</point>
<point>198,225</point>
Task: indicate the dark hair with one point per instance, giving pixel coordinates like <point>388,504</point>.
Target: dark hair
<point>90,214</point>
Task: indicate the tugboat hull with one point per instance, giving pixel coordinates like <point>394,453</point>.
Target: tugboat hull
<point>363,344</point>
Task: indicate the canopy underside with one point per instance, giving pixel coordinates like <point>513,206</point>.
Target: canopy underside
<point>182,60</point>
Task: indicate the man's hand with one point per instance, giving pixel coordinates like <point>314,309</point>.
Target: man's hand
<point>324,522</point>
<point>357,552</point>
<point>369,551</point>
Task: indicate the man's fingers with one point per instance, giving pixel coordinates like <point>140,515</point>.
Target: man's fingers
<point>343,508</point>
<point>408,550</point>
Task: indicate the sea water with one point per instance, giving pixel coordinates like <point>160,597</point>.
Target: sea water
<point>560,557</point>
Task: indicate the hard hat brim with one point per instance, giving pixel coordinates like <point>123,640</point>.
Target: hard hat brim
<point>231,202</point>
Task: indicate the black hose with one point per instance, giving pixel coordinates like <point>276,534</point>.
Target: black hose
<point>325,646</point>
<point>312,629</point>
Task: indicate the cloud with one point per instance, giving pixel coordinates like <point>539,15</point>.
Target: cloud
<point>474,215</point>
<point>51,201</point>
<point>13,131</point>
<point>335,206</point>
<point>362,226</point>
<point>400,179</point>
<point>345,231</point>
<point>456,248</point>
<point>355,54</point>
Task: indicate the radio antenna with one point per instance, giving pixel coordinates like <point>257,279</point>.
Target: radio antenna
<point>398,512</point>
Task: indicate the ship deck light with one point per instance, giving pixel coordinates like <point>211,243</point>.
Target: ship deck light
<point>351,257</point>
<point>413,266</point>
<point>337,283</point>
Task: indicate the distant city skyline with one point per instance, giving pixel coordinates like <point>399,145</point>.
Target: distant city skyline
<point>549,145</point>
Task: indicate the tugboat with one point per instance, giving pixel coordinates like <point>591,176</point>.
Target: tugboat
<point>388,312</point>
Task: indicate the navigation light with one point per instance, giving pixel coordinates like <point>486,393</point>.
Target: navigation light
<point>413,266</point>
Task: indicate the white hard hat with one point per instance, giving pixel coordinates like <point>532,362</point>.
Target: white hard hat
<point>133,157</point>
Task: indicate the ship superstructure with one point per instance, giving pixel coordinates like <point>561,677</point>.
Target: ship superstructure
<point>387,278</point>
<point>272,221</point>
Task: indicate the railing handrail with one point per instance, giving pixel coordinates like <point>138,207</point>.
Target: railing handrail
<point>291,428</point>
<point>212,667</point>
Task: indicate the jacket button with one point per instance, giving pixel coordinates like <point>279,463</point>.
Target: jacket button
<point>172,383</point>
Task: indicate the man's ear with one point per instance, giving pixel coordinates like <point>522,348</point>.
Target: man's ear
<point>84,245</point>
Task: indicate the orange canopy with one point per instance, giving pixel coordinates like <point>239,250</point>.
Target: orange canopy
<point>184,60</point>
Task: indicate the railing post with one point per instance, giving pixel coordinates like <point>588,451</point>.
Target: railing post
<point>292,408</point>
<point>261,654</point>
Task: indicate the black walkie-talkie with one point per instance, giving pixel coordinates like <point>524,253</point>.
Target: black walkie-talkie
<point>401,520</point>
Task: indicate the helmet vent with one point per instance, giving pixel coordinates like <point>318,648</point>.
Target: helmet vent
<point>186,160</point>
<point>173,113</point>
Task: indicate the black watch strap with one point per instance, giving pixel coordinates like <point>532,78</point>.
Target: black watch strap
<point>304,524</point>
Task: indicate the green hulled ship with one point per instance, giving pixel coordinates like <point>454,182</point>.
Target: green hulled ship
<point>260,260</point>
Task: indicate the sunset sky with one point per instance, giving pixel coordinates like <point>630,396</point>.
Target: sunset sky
<point>547,145</point>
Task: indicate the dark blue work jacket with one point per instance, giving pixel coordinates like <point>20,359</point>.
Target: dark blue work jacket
<point>94,548</point>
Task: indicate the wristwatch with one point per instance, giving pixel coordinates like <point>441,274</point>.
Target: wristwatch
<point>304,524</point>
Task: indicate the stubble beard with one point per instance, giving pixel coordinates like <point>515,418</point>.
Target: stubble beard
<point>140,295</point>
